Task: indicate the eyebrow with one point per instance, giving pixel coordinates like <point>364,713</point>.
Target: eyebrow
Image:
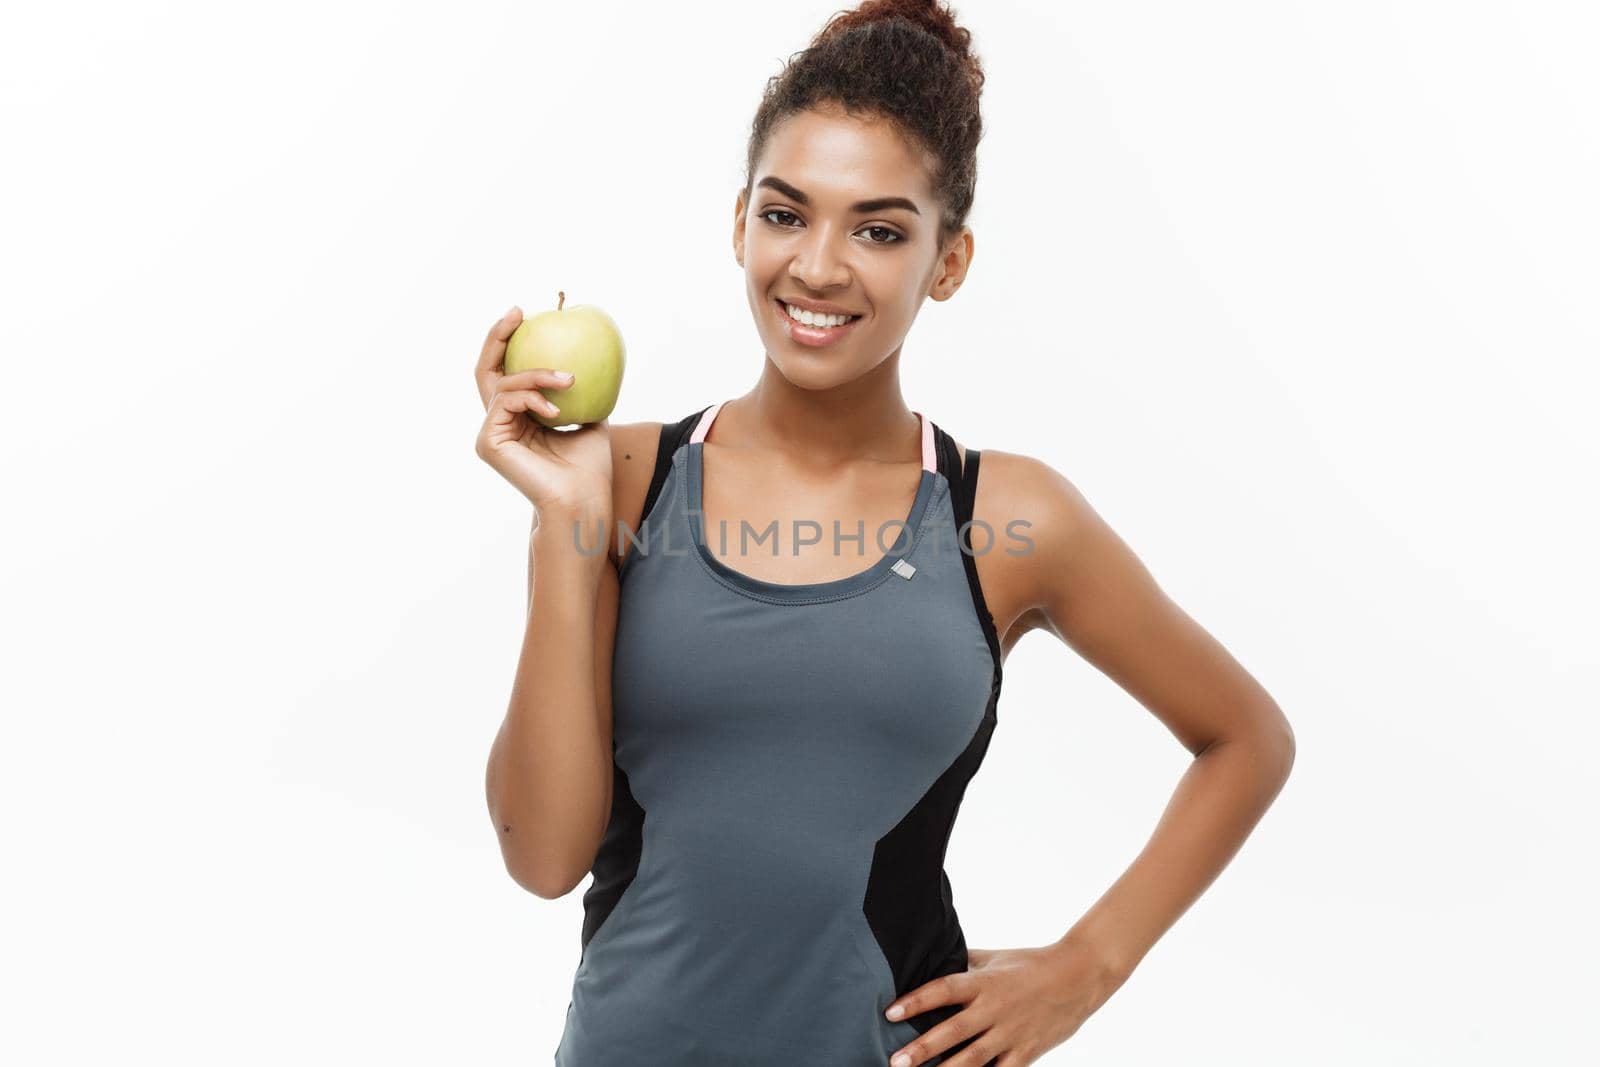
<point>881,203</point>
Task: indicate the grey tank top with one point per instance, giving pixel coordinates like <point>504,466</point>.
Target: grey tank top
<point>788,763</point>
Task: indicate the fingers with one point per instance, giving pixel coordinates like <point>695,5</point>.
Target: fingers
<point>533,381</point>
<point>985,1051</point>
<point>946,989</point>
<point>501,425</point>
<point>492,357</point>
<point>958,1028</point>
<point>529,400</point>
<point>536,378</point>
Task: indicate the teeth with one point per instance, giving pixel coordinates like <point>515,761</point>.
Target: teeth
<point>812,318</point>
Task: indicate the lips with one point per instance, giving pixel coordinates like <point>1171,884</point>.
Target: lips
<point>783,309</point>
<point>811,336</point>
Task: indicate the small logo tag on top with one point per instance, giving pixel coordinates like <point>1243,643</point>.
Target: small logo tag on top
<point>904,569</point>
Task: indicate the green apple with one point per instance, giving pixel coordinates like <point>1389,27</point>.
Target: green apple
<point>582,340</point>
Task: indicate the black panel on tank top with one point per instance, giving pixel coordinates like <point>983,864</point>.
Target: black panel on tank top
<point>617,861</point>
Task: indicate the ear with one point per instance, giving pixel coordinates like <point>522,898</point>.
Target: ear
<point>738,228</point>
<point>951,270</point>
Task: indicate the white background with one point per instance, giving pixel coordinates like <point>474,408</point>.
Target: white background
<point>1301,295</point>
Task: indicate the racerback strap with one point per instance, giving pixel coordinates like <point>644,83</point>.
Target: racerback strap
<point>963,491</point>
<point>673,434</point>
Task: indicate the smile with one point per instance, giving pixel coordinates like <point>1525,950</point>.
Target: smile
<point>816,333</point>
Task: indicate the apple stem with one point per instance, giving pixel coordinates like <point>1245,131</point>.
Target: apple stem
<point>562,299</point>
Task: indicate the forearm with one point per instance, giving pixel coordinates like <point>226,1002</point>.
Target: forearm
<point>533,529</point>
<point>1217,803</point>
<point>549,770</point>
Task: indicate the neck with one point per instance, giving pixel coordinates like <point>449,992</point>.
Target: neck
<point>863,419</point>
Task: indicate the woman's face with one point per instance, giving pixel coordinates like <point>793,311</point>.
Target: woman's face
<point>841,212</point>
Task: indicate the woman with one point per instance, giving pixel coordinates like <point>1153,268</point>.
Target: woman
<point>759,753</point>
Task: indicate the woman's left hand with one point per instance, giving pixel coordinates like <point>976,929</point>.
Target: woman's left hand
<point>1018,1004</point>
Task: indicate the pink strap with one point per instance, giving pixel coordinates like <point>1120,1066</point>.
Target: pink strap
<point>929,463</point>
<point>703,427</point>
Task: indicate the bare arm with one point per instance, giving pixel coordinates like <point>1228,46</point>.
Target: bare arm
<point>548,780</point>
<point>1081,583</point>
<point>1099,598</point>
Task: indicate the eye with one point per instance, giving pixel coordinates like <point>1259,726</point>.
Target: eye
<point>893,238</point>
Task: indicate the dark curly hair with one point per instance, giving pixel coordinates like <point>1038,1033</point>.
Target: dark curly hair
<point>904,60</point>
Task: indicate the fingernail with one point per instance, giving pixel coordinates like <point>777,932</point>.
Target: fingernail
<point>513,311</point>
<point>564,374</point>
<point>901,1060</point>
<point>895,1011</point>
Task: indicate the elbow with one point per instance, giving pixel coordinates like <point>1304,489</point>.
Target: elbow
<point>1279,744</point>
<point>541,880</point>
<point>543,866</point>
<point>1267,747</point>
<point>528,865</point>
<point>531,866</point>
<point>546,889</point>
<point>542,871</point>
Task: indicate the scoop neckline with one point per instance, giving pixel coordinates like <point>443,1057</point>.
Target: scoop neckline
<point>835,589</point>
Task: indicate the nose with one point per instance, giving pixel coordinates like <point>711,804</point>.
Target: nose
<point>818,265</point>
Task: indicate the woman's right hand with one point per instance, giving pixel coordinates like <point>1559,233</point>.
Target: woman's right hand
<point>558,470</point>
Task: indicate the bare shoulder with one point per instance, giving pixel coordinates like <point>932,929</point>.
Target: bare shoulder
<point>1026,488</point>
<point>633,462</point>
<point>1026,515</point>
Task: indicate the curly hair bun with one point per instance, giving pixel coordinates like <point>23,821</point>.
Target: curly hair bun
<point>931,15</point>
